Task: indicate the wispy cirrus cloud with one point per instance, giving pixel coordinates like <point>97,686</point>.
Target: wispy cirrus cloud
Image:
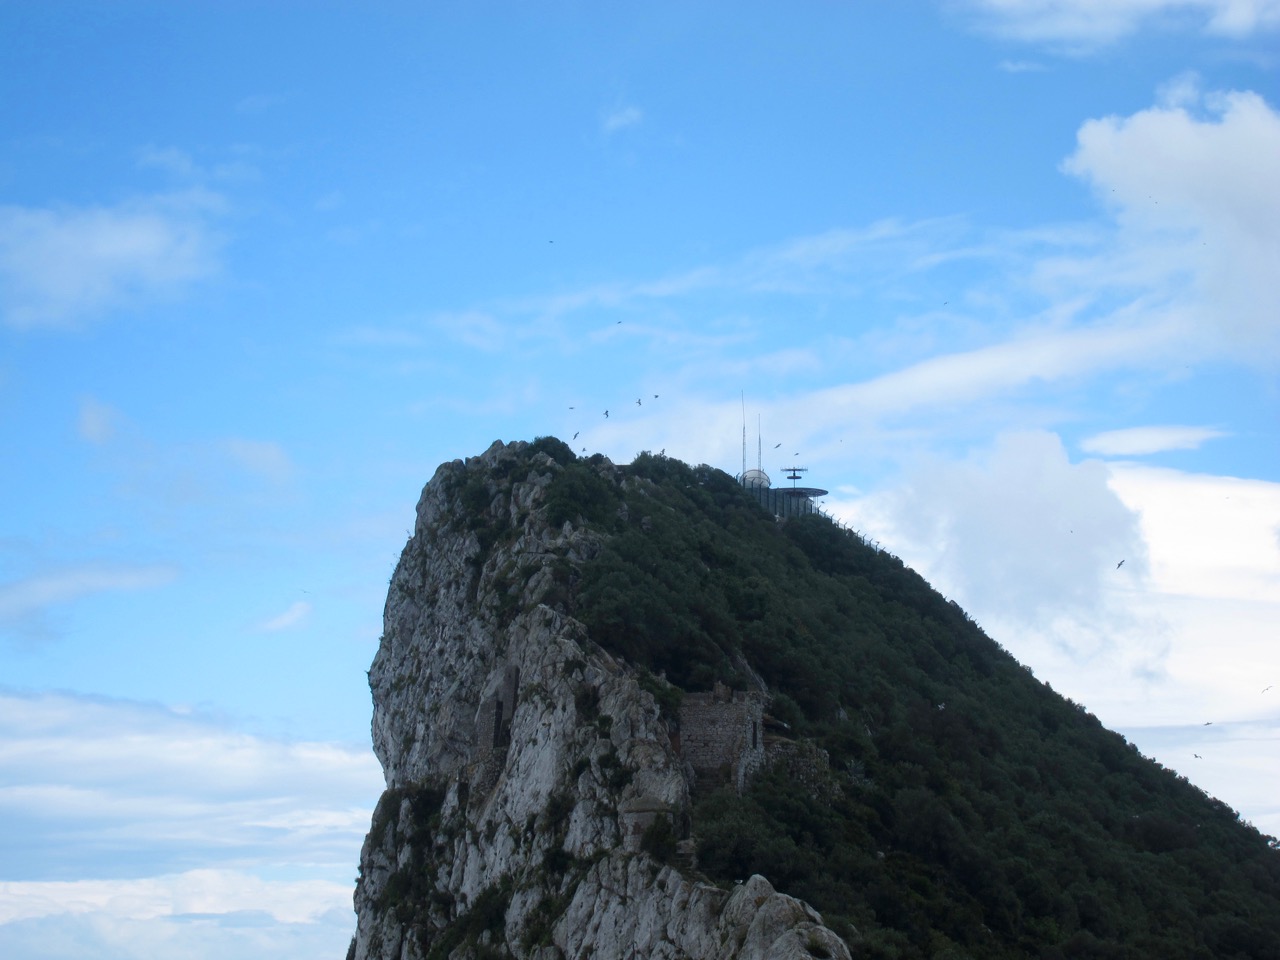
<point>1140,441</point>
<point>98,422</point>
<point>63,266</point>
<point>621,118</point>
<point>1021,66</point>
<point>297,612</point>
<point>264,458</point>
<point>1084,25</point>
<point>23,603</point>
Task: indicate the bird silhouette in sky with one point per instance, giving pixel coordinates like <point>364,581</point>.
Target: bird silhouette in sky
<point>1197,756</point>
<point>575,436</point>
<point>606,414</point>
<point>1265,689</point>
<point>1208,723</point>
<point>638,403</point>
<point>776,446</point>
<point>1120,564</point>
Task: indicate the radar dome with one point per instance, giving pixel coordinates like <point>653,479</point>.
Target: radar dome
<point>756,478</point>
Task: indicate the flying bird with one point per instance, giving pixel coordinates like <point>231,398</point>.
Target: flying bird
<point>1208,723</point>
<point>655,396</point>
<point>1197,756</point>
<point>1265,689</point>
<point>776,446</point>
<point>606,414</point>
<point>638,403</point>
<point>575,436</point>
<point>1120,564</point>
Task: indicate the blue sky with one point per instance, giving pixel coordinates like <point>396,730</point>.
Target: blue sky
<point>1000,273</point>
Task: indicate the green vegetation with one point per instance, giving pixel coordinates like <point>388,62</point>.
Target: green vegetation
<point>977,813</point>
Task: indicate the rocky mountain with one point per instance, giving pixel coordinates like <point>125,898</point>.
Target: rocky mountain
<point>531,778</point>
<point>622,711</point>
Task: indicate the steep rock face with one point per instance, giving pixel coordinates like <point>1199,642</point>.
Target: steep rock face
<point>530,778</point>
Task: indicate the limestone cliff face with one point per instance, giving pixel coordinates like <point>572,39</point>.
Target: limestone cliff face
<point>530,778</point>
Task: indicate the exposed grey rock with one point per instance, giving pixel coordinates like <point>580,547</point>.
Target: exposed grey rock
<point>523,763</point>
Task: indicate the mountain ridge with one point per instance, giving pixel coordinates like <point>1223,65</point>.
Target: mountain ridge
<point>966,809</point>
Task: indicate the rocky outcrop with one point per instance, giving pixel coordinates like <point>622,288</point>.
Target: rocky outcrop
<point>534,797</point>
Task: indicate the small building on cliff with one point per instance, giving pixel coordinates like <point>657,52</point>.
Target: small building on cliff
<point>722,735</point>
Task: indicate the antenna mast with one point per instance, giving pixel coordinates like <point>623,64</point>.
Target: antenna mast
<point>744,434</point>
<point>758,460</point>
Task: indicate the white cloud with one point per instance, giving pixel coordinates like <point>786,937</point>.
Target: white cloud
<point>169,159</point>
<point>264,458</point>
<point>85,780</point>
<point>475,328</point>
<point>62,266</point>
<point>34,594</point>
<point>194,891</point>
<point>1204,194</point>
<point>1022,66</point>
<point>1017,531</point>
<point>330,201</point>
<point>620,119</point>
<point>297,612</point>
<point>1139,441</point>
<point>1212,537</point>
<point>1170,168</point>
<point>73,936</point>
<point>257,104</point>
<point>967,376</point>
<point>97,422</point>
<point>1086,24</point>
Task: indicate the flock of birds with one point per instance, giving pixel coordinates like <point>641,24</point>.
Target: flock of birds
<point>1207,723</point>
<point>639,403</point>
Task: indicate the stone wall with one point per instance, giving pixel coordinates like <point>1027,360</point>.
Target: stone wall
<point>807,765</point>
<point>493,721</point>
<point>722,735</point>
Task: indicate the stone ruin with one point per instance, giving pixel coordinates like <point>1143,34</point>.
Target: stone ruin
<point>721,736</point>
<point>493,729</point>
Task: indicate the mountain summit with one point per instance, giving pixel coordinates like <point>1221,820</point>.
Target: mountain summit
<point>635,711</point>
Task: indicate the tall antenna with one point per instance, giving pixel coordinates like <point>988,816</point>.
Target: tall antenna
<point>744,433</point>
<point>758,461</point>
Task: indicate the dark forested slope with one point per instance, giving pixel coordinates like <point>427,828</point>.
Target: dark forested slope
<point>972,810</point>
